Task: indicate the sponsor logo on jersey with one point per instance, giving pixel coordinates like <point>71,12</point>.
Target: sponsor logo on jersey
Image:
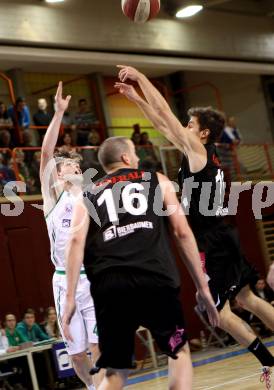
<point>68,208</point>
<point>66,223</point>
<point>121,231</point>
<point>115,179</point>
<point>110,233</point>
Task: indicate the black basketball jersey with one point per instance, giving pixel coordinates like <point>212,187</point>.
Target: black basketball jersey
<point>203,193</point>
<point>131,235</point>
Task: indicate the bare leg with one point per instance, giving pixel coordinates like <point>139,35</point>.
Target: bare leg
<point>114,379</point>
<point>262,309</point>
<point>236,327</point>
<point>82,366</point>
<point>97,379</point>
<point>180,371</point>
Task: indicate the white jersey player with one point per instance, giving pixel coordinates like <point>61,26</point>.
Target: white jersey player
<point>57,174</point>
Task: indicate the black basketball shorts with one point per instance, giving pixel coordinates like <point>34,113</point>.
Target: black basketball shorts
<point>225,264</point>
<point>125,300</point>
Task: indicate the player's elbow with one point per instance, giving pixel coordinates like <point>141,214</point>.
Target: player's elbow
<point>182,233</point>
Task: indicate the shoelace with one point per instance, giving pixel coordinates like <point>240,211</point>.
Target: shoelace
<point>266,377</point>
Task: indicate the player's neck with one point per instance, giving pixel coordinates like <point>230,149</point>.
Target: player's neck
<point>116,167</point>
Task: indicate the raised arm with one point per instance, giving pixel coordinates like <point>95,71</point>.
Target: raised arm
<point>48,172</point>
<point>188,246</point>
<point>74,259</point>
<point>167,123</point>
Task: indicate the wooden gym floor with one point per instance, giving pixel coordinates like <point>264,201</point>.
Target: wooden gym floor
<point>227,369</point>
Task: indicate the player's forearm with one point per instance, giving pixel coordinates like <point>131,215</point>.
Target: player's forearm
<point>153,96</point>
<point>192,260</point>
<point>51,136</point>
<point>74,261</point>
<point>150,114</point>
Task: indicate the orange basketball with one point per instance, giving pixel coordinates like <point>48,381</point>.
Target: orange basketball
<point>140,11</point>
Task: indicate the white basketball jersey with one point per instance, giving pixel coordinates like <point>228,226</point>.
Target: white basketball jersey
<point>58,224</point>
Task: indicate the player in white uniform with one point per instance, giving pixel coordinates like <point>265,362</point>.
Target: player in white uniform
<point>59,196</point>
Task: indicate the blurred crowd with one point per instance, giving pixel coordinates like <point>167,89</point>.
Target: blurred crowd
<point>15,336</point>
<point>78,133</point>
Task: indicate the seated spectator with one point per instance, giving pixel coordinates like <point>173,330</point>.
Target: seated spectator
<point>94,138</point>
<point>35,172</point>
<point>24,172</point>
<point>231,134</point>
<point>6,174</point>
<point>42,117</point>
<point>20,114</point>
<point>136,138</point>
<point>148,145</point>
<point>67,144</point>
<point>5,139</point>
<point>29,329</point>
<point>50,326</point>
<point>90,156</point>
<point>5,121</point>
<point>4,344</point>
<point>262,290</point>
<point>84,120</point>
<point>15,338</point>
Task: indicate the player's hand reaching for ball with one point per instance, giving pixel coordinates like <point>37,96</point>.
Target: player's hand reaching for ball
<point>128,73</point>
<point>205,301</point>
<point>128,90</point>
<point>61,104</point>
<point>70,308</point>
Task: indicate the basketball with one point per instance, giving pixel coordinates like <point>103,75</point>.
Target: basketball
<point>140,11</point>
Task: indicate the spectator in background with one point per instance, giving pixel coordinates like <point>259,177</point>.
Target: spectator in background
<point>231,134</point>
<point>6,174</point>
<point>5,121</point>
<point>67,144</point>
<point>148,145</point>
<point>34,172</point>
<point>4,344</point>
<point>90,156</point>
<point>262,290</point>
<point>84,120</point>
<point>42,117</point>
<point>24,172</point>
<point>20,114</point>
<point>50,326</point>
<point>15,338</point>
<point>136,138</point>
<point>5,139</point>
<point>94,138</point>
<point>29,329</point>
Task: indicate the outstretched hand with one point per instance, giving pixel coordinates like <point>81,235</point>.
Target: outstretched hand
<point>128,91</point>
<point>61,104</point>
<point>128,73</point>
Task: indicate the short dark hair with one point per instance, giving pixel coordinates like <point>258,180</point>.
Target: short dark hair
<point>211,119</point>
<point>9,314</point>
<point>111,150</point>
<point>29,311</point>
<point>60,157</point>
<point>82,101</point>
<point>20,100</point>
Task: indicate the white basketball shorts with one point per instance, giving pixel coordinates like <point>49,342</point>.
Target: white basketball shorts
<point>83,327</point>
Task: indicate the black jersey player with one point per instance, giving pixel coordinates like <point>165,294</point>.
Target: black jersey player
<point>230,274</point>
<point>128,258</point>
